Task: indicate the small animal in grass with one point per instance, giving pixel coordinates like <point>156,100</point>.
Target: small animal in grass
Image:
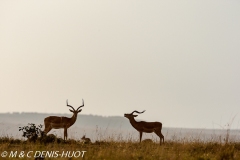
<point>86,140</point>
<point>147,141</point>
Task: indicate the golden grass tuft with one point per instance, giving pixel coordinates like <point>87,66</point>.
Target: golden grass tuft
<point>109,149</point>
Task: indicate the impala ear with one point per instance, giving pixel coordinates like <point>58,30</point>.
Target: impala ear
<point>135,115</point>
<point>80,110</point>
<point>71,110</point>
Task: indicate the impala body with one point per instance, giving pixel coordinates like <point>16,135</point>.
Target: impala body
<point>147,127</point>
<point>55,122</point>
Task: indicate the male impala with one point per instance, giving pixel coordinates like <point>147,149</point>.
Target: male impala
<point>147,127</point>
<point>54,122</point>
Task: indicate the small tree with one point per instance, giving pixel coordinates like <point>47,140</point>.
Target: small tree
<point>31,131</point>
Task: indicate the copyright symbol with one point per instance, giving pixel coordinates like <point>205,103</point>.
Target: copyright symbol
<point>4,154</point>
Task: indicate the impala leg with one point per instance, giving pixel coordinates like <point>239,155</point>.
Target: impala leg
<point>140,136</point>
<point>65,134</point>
<point>160,136</point>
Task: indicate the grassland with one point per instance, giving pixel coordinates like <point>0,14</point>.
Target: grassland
<point>110,150</point>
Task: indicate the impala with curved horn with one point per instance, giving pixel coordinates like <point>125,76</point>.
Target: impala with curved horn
<point>54,122</point>
<point>147,127</point>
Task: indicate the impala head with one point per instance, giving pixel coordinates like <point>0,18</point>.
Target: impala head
<point>75,112</point>
<point>131,115</point>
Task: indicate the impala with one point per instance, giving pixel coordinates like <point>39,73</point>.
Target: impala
<point>54,122</point>
<point>147,127</point>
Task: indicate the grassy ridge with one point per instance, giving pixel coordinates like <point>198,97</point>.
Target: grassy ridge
<point>128,150</point>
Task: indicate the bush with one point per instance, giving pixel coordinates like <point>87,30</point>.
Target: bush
<point>31,131</point>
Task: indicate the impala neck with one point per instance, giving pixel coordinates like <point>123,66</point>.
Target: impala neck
<point>133,121</point>
<point>74,118</point>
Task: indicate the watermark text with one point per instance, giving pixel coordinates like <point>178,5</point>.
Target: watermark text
<point>48,154</point>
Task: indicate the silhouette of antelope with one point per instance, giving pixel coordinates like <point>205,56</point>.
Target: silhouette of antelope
<point>147,127</point>
<point>54,122</point>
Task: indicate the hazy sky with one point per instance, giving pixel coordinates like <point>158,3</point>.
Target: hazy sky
<point>178,60</point>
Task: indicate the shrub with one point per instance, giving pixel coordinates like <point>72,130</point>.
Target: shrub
<point>31,131</point>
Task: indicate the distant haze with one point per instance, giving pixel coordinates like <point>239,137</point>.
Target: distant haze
<point>109,128</point>
<point>178,60</point>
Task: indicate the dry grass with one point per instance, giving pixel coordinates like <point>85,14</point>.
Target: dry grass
<point>109,149</point>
